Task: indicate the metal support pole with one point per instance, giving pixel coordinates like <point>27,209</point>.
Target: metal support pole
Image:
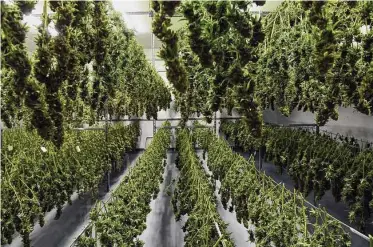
<point>152,42</point>
<point>108,182</point>
<point>317,129</point>
<point>216,131</point>
<point>107,145</point>
<point>260,158</point>
<point>1,136</point>
<point>124,161</point>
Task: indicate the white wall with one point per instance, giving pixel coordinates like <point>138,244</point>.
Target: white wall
<point>350,122</point>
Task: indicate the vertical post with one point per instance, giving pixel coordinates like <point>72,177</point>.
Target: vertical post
<point>1,136</point>
<point>260,158</point>
<point>152,42</point>
<point>1,141</point>
<point>124,161</point>
<point>107,147</point>
<point>216,131</point>
<point>317,129</point>
<point>362,144</point>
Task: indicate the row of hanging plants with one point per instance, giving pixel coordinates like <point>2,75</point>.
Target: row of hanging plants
<point>194,100</point>
<point>194,197</point>
<point>318,163</point>
<point>122,220</point>
<point>317,57</point>
<point>169,52</point>
<point>310,56</point>
<point>92,67</point>
<point>272,214</point>
<point>219,45</point>
<point>17,86</point>
<point>141,90</point>
<point>38,177</point>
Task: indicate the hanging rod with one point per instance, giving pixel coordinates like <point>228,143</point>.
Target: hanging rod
<point>89,128</point>
<point>188,127</point>
<point>150,13</point>
<point>166,119</point>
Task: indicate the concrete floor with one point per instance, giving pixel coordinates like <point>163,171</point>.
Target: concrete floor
<point>162,228</point>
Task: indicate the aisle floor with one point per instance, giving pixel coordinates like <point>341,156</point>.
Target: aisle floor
<point>162,228</point>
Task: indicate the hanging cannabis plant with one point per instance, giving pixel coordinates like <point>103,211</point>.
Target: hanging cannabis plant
<point>18,86</point>
<point>225,35</point>
<point>101,26</point>
<point>16,66</point>
<point>364,103</point>
<point>169,52</point>
<point>194,100</point>
<point>312,58</point>
<point>193,11</point>
<point>140,89</point>
<point>45,74</point>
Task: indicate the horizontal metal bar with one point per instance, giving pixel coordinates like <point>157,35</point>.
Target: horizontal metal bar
<point>279,125</point>
<point>93,128</point>
<point>150,13</point>
<point>195,118</point>
<point>157,59</point>
<point>188,127</point>
<point>166,119</point>
<point>229,118</point>
<point>125,120</point>
<point>302,125</point>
